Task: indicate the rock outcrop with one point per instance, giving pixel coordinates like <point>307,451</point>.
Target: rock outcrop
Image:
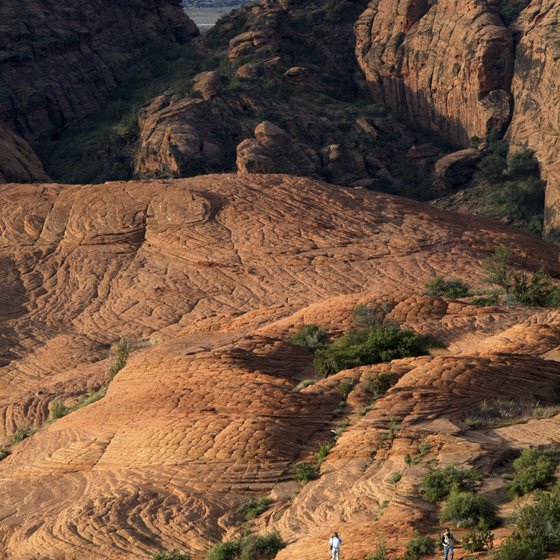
<point>18,162</point>
<point>536,116</point>
<point>208,277</point>
<point>273,151</point>
<point>186,137</point>
<point>445,65</point>
<point>59,61</point>
<point>456,169</point>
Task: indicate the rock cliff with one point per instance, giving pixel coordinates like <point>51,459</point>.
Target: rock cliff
<point>59,59</point>
<point>445,65</point>
<point>536,115</point>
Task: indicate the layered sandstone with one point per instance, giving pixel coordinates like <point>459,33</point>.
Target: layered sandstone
<point>445,65</point>
<point>536,116</point>
<point>210,276</point>
<point>59,61</point>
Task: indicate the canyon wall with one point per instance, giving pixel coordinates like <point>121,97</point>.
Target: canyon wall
<point>58,60</point>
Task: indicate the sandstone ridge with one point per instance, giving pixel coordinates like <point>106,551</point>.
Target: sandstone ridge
<point>210,276</point>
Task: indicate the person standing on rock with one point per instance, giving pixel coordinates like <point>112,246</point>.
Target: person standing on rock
<point>334,542</point>
<point>448,542</point>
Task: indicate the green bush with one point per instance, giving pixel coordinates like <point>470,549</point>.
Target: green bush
<point>540,522</point>
<point>380,553</point>
<point>438,483</point>
<point>468,510</point>
<point>395,477</point>
<point>122,350</point>
<point>536,290</point>
<point>370,315</point>
<point>448,288</point>
<point>519,549</point>
<point>254,507</point>
<point>360,347</point>
<point>420,545</point>
<point>498,268</point>
<point>305,472</point>
<point>59,409</point>
<point>92,397</point>
<point>4,453</point>
<point>251,547</point>
<point>323,452</point>
<point>380,385</point>
<point>491,168</point>
<point>22,432</point>
<point>345,388</point>
<point>523,163</point>
<point>311,337</point>
<point>534,468</point>
<point>478,539</point>
<point>174,555</point>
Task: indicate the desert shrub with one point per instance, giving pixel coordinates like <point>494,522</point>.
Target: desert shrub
<point>370,315</point>
<point>345,388</point>
<point>59,409</point>
<point>305,472</point>
<point>324,450</point>
<point>304,383</point>
<point>420,545</point>
<point>491,168</point>
<point>534,468</point>
<point>368,346</point>
<point>380,385</point>
<point>523,163</point>
<point>92,397</point>
<point>392,430</point>
<point>448,288</point>
<point>499,412</point>
<point>498,268</point>
<point>380,553</point>
<point>485,301</point>
<point>229,550</point>
<point>22,432</point>
<point>439,482</point>
<point>121,350</point>
<point>4,453</point>
<point>173,555</point>
<point>536,290</point>
<point>311,337</point>
<point>539,522</point>
<point>254,507</point>
<point>478,539</point>
<point>395,477</point>
<point>251,547</point>
<point>519,549</point>
<point>468,510</point>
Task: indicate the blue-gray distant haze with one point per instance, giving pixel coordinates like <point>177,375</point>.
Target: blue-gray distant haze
<point>205,13</point>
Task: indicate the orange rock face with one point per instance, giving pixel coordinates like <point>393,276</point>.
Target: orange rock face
<point>209,276</point>
<point>536,116</point>
<point>446,65</point>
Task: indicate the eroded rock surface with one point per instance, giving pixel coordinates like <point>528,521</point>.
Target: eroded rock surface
<point>536,116</point>
<point>209,276</point>
<point>446,65</point>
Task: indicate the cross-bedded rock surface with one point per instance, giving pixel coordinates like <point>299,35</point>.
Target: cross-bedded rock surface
<point>210,276</point>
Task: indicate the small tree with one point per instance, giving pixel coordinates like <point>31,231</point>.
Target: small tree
<point>468,510</point>
<point>420,545</point>
<point>311,337</point>
<point>523,163</point>
<point>499,269</point>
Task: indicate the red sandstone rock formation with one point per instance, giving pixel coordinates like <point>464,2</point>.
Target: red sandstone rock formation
<point>445,65</point>
<point>536,116</point>
<point>216,272</point>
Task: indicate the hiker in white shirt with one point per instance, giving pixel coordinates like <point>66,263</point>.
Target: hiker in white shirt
<point>334,542</point>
